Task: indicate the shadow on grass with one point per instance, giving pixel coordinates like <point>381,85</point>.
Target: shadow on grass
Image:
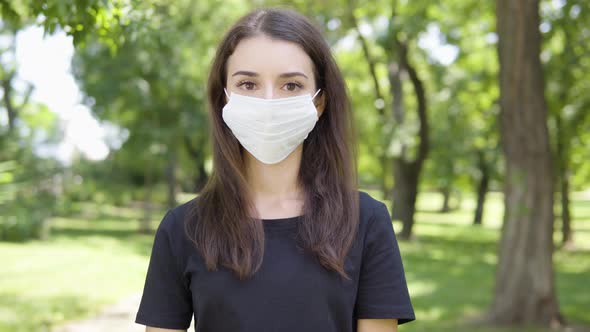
<point>451,275</point>
<point>138,243</point>
<point>452,278</point>
<point>98,211</point>
<point>102,231</point>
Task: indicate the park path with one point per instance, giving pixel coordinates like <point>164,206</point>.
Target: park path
<point>119,317</point>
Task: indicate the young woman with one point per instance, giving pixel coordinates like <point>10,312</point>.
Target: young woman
<point>280,238</point>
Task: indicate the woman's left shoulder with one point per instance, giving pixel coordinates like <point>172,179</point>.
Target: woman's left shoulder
<point>372,210</point>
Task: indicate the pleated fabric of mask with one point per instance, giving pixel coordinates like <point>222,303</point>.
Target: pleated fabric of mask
<point>270,129</point>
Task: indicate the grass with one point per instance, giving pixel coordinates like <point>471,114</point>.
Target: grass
<point>89,262</point>
<point>97,258</point>
<point>450,265</point>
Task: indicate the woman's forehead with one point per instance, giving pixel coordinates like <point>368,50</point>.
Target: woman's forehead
<point>269,57</point>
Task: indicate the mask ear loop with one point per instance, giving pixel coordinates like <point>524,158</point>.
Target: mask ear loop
<point>316,94</point>
<point>224,90</point>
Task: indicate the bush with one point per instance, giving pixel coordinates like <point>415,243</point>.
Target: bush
<point>27,200</point>
<point>26,219</point>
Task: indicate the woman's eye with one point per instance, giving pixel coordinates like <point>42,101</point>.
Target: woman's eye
<point>292,86</point>
<point>248,85</point>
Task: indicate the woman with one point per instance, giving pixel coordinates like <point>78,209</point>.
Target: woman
<point>280,238</point>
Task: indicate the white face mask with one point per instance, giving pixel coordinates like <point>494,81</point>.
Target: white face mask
<point>270,129</point>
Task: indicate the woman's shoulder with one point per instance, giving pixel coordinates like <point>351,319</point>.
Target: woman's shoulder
<point>375,218</point>
<point>173,220</point>
<point>184,209</point>
<point>370,206</point>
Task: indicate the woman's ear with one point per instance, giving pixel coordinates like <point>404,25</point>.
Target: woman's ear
<point>320,103</point>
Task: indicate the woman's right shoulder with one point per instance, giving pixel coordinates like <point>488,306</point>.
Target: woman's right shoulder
<point>186,208</point>
<point>175,217</point>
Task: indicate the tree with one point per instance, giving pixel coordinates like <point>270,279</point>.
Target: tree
<point>525,286</point>
<point>473,101</point>
<point>27,194</point>
<point>566,47</point>
<point>406,169</point>
<point>153,85</point>
<point>78,18</point>
<point>399,130</point>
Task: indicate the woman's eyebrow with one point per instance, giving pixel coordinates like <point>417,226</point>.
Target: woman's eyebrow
<point>292,74</point>
<point>246,73</point>
<point>283,75</point>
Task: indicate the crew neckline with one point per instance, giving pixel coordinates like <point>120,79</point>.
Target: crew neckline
<point>284,218</point>
<point>281,223</point>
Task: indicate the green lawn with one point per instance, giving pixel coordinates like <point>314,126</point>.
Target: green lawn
<point>90,261</point>
<point>98,258</point>
<point>450,265</point>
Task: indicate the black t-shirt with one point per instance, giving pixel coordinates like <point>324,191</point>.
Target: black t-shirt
<point>290,292</point>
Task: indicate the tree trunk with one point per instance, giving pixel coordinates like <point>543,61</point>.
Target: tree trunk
<point>525,287</point>
<point>482,188</point>
<point>407,173</point>
<point>446,192</point>
<point>567,234</point>
<point>564,182</point>
<point>10,109</point>
<point>405,192</point>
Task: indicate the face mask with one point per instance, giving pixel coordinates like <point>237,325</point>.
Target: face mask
<point>270,129</point>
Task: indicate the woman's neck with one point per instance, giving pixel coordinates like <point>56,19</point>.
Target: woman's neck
<point>275,181</point>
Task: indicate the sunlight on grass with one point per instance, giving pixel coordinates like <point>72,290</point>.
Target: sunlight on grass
<point>422,288</point>
<point>450,266</point>
<point>86,264</point>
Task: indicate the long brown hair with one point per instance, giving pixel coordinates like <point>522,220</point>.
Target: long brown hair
<point>220,222</point>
